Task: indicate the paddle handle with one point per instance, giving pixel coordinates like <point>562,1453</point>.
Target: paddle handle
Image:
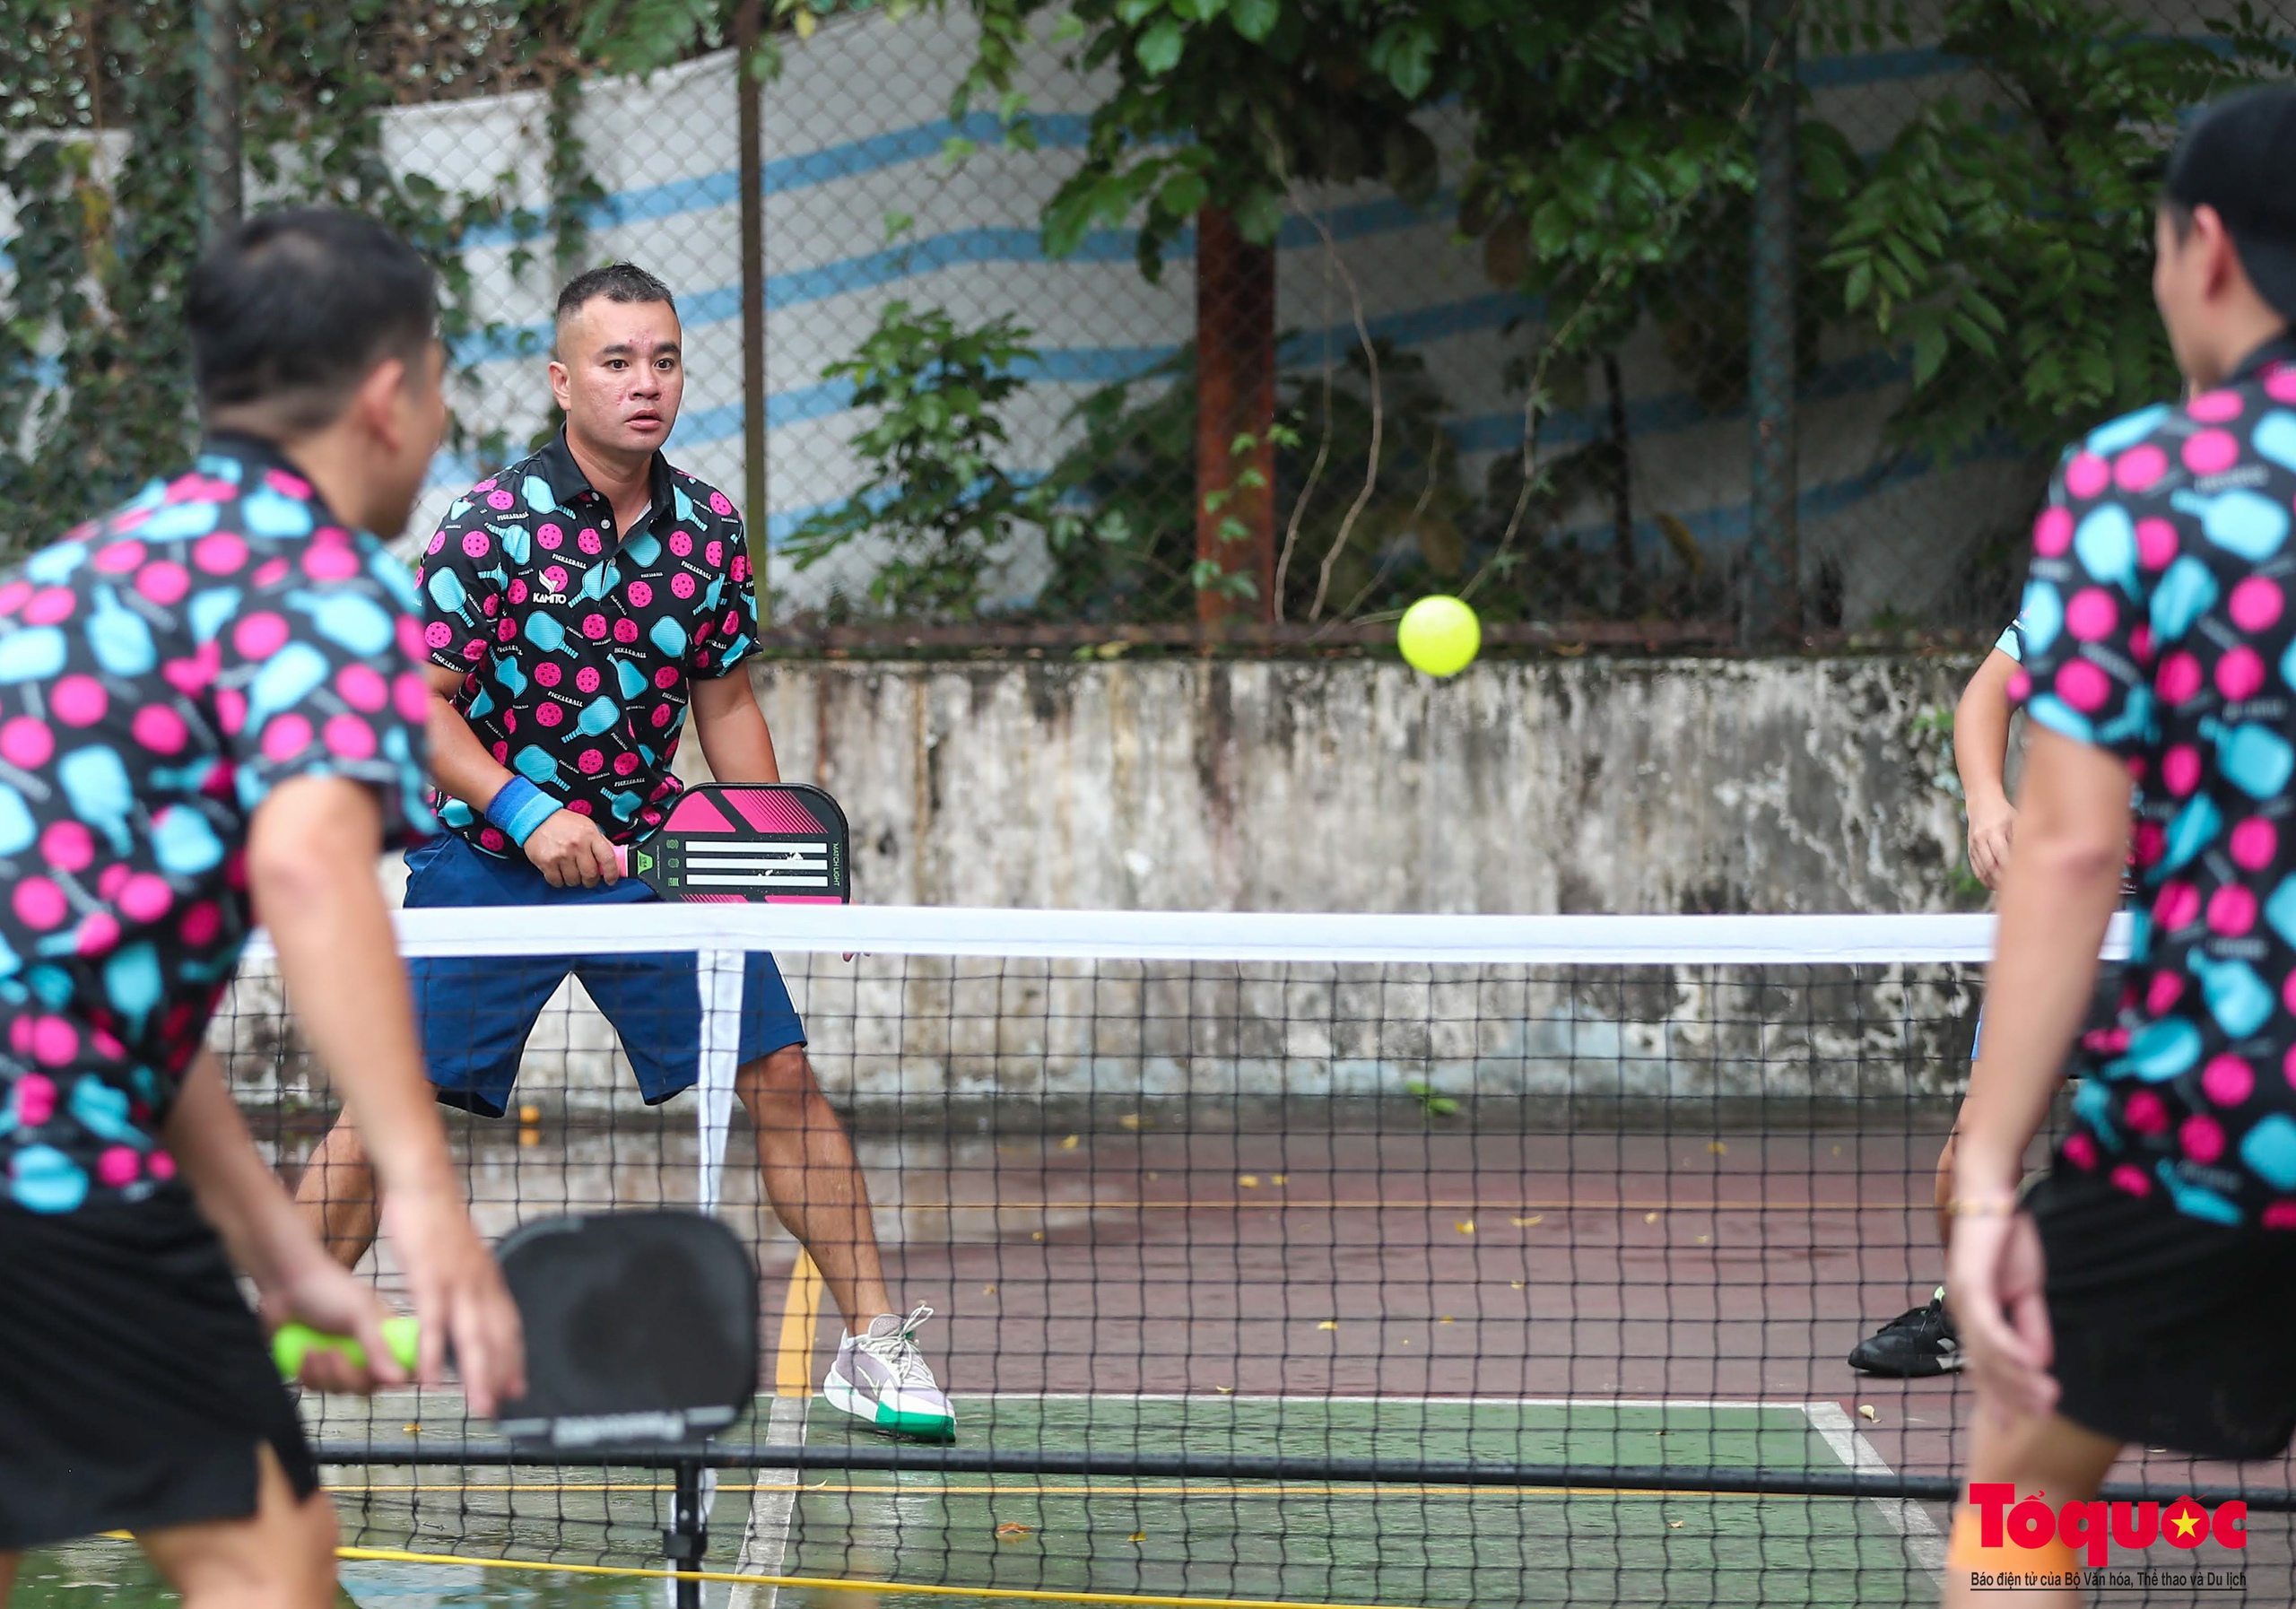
<point>622,859</point>
<point>295,1341</point>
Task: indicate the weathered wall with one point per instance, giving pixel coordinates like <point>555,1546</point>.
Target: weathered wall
<point>1564,785</point>
<point>1547,786</point>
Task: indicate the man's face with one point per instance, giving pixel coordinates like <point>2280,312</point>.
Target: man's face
<point>619,375</point>
<point>418,418</point>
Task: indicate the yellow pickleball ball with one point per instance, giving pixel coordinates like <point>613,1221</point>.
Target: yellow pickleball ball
<point>1439,636</point>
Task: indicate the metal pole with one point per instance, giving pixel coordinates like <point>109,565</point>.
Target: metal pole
<point>748,97</point>
<point>1773,560</point>
<point>687,1540</point>
<point>215,37</point>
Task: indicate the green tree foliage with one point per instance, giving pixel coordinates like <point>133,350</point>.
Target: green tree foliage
<point>939,508</point>
<point>1224,103</point>
<point>2004,240</point>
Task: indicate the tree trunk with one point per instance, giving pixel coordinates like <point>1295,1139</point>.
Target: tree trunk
<point>1621,467</point>
<point>1235,397</point>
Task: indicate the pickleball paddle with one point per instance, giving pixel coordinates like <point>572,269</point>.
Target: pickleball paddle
<point>642,1330</point>
<point>782,843</point>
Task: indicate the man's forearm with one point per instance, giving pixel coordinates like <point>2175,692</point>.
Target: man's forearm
<point>731,728</point>
<point>459,762</point>
<point>236,1191</point>
<point>2056,901</point>
<point>314,883</point>
<point>1981,731</point>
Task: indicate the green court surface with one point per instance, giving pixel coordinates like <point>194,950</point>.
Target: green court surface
<point>1210,1540</point>
<point>1351,1544</point>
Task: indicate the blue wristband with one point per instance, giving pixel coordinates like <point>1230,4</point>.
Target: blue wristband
<point>519,808</point>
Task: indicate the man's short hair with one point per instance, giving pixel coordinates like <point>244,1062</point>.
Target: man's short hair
<point>616,281</point>
<point>291,310</point>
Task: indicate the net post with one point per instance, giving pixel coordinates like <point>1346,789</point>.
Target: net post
<point>687,1540</point>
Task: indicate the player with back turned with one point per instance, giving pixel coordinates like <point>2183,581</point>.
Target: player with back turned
<point>2144,1290</point>
<point>211,713</point>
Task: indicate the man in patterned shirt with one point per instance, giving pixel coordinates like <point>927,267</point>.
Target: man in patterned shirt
<point>2145,1290</point>
<point>210,711</point>
<point>577,604</point>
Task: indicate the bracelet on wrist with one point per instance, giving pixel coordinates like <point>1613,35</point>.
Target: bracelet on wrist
<point>2004,1204</point>
<point>520,807</point>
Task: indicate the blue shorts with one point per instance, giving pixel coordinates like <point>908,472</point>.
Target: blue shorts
<point>476,1013</point>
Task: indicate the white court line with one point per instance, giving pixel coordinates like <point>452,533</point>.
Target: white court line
<point>765,1538</point>
<point>1924,1547</point>
<point>1788,1405</point>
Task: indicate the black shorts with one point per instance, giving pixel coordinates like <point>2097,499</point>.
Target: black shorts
<point>135,1383</point>
<point>2169,1332</point>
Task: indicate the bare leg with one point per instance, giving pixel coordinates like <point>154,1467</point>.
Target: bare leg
<point>813,1182</point>
<point>1944,1186</point>
<point>8,1575</point>
<point>2052,1455</point>
<point>338,1194</point>
<point>282,1557</point>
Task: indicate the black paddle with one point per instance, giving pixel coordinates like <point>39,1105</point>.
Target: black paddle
<point>641,1331</point>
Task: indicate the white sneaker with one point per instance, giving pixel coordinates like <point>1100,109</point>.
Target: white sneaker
<point>881,1380</point>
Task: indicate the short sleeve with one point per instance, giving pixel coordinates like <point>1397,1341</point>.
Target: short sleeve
<point>732,630</point>
<point>459,583</point>
<point>2012,641</point>
<point>2083,621</point>
<point>319,677</point>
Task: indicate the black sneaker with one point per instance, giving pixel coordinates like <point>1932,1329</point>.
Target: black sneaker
<point>1917,1342</point>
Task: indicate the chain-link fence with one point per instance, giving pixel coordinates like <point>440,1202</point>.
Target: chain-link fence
<point>1727,321</point>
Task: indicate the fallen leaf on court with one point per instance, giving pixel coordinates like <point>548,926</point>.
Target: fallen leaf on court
<point>1225,1390</point>
<point>1012,1530</point>
<point>1718,1148</point>
<point>1281,1178</point>
<point>1703,1239</point>
<point>1036,1234</point>
<point>1406,1339</point>
<point>1465,1226</point>
<point>1868,1411</point>
<point>1674,1525</point>
<point>988,1290</point>
<point>1153,1174</point>
<point>1069,1143</point>
<point>1649,1217</point>
<point>1139,1536</point>
<point>1250,1181</point>
<point>1533,1218</point>
<point>1329,1324</point>
<point>411,1429</point>
<point>1518,1285</point>
<point>1130,1120</point>
<point>1442,1321</point>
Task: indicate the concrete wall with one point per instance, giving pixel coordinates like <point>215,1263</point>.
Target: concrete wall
<point>1585,785</point>
<point>1567,786</point>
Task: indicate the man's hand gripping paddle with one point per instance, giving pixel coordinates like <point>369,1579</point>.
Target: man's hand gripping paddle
<point>782,843</point>
<point>641,1331</point>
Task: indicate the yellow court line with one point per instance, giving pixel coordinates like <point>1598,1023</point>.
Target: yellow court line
<point>801,1311</point>
<point>829,1583</point>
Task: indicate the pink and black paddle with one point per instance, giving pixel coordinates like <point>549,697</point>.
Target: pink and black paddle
<point>781,843</point>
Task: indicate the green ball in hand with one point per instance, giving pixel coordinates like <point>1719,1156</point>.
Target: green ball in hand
<point>295,1341</point>
<point>1439,636</point>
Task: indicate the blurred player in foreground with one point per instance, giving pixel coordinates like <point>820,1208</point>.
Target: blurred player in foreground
<point>211,713</point>
<point>2144,1290</point>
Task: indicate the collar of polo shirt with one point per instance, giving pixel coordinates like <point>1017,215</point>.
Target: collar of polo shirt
<point>569,485</point>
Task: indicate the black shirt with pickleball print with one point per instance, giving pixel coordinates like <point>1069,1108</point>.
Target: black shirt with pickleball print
<point>578,643</point>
